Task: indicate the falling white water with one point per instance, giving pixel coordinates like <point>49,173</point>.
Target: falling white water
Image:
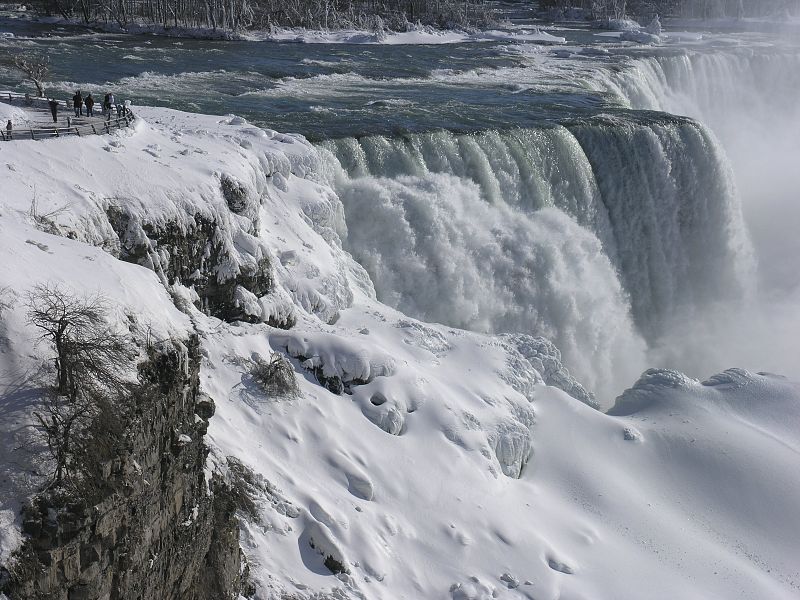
<point>594,235</point>
<point>436,249</point>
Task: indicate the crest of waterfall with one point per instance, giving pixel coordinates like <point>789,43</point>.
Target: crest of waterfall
<point>714,88</point>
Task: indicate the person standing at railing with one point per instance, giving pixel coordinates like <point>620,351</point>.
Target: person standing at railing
<point>9,128</point>
<point>53,103</point>
<point>77,104</point>
<point>107,105</point>
<point>89,105</point>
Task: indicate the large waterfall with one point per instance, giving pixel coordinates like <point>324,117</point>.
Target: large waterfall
<point>597,234</point>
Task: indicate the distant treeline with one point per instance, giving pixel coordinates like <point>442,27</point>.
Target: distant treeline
<point>704,9</point>
<point>235,15</point>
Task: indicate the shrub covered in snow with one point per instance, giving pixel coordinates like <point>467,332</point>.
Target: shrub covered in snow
<point>276,376</point>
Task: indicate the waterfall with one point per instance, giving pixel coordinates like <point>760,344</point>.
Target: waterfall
<point>748,98</point>
<point>437,249</point>
<point>655,192</point>
<point>596,234</point>
<point>719,89</point>
<point>678,231</point>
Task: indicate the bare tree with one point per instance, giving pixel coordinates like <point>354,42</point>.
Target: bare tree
<point>61,422</point>
<point>276,376</point>
<point>88,351</point>
<point>90,361</point>
<point>235,15</point>
<point>35,68</point>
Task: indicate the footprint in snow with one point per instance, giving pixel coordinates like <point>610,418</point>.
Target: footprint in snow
<point>559,566</point>
<point>40,246</point>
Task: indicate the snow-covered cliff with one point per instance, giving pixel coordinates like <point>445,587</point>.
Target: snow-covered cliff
<point>417,460</point>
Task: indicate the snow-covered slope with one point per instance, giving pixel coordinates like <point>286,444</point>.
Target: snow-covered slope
<point>453,464</point>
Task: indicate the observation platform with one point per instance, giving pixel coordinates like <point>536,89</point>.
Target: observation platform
<point>40,125</point>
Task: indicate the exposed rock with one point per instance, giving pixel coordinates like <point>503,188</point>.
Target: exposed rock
<point>236,194</point>
<point>510,581</point>
<point>631,435</point>
<point>162,531</point>
<point>201,253</point>
<point>320,539</point>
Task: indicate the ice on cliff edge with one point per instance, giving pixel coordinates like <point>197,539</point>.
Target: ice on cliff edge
<point>449,467</point>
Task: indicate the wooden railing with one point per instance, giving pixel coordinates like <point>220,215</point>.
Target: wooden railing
<point>44,132</point>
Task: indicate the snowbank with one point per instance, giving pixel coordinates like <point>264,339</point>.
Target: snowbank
<point>11,113</point>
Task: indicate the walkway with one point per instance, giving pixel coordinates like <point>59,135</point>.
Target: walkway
<point>41,126</point>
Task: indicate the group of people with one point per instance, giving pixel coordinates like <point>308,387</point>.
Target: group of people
<point>79,102</point>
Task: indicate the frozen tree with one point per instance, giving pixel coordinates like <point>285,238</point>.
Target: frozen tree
<point>35,68</point>
<point>232,15</point>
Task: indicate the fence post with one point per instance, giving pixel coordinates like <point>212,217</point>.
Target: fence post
<point>93,129</point>
<point>78,132</point>
<point>33,137</point>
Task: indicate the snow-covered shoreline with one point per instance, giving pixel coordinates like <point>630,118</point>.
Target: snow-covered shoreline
<point>455,467</point>
<point>415,35</point>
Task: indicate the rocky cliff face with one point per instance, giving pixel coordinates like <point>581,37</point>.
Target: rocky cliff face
<point>214,251</point>
<point>164,530</point>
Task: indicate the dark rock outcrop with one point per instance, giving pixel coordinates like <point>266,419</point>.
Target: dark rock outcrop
<point>200,253</point>
<point>163,531</point>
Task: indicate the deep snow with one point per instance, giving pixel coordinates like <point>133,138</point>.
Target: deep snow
<point>452,469</point>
